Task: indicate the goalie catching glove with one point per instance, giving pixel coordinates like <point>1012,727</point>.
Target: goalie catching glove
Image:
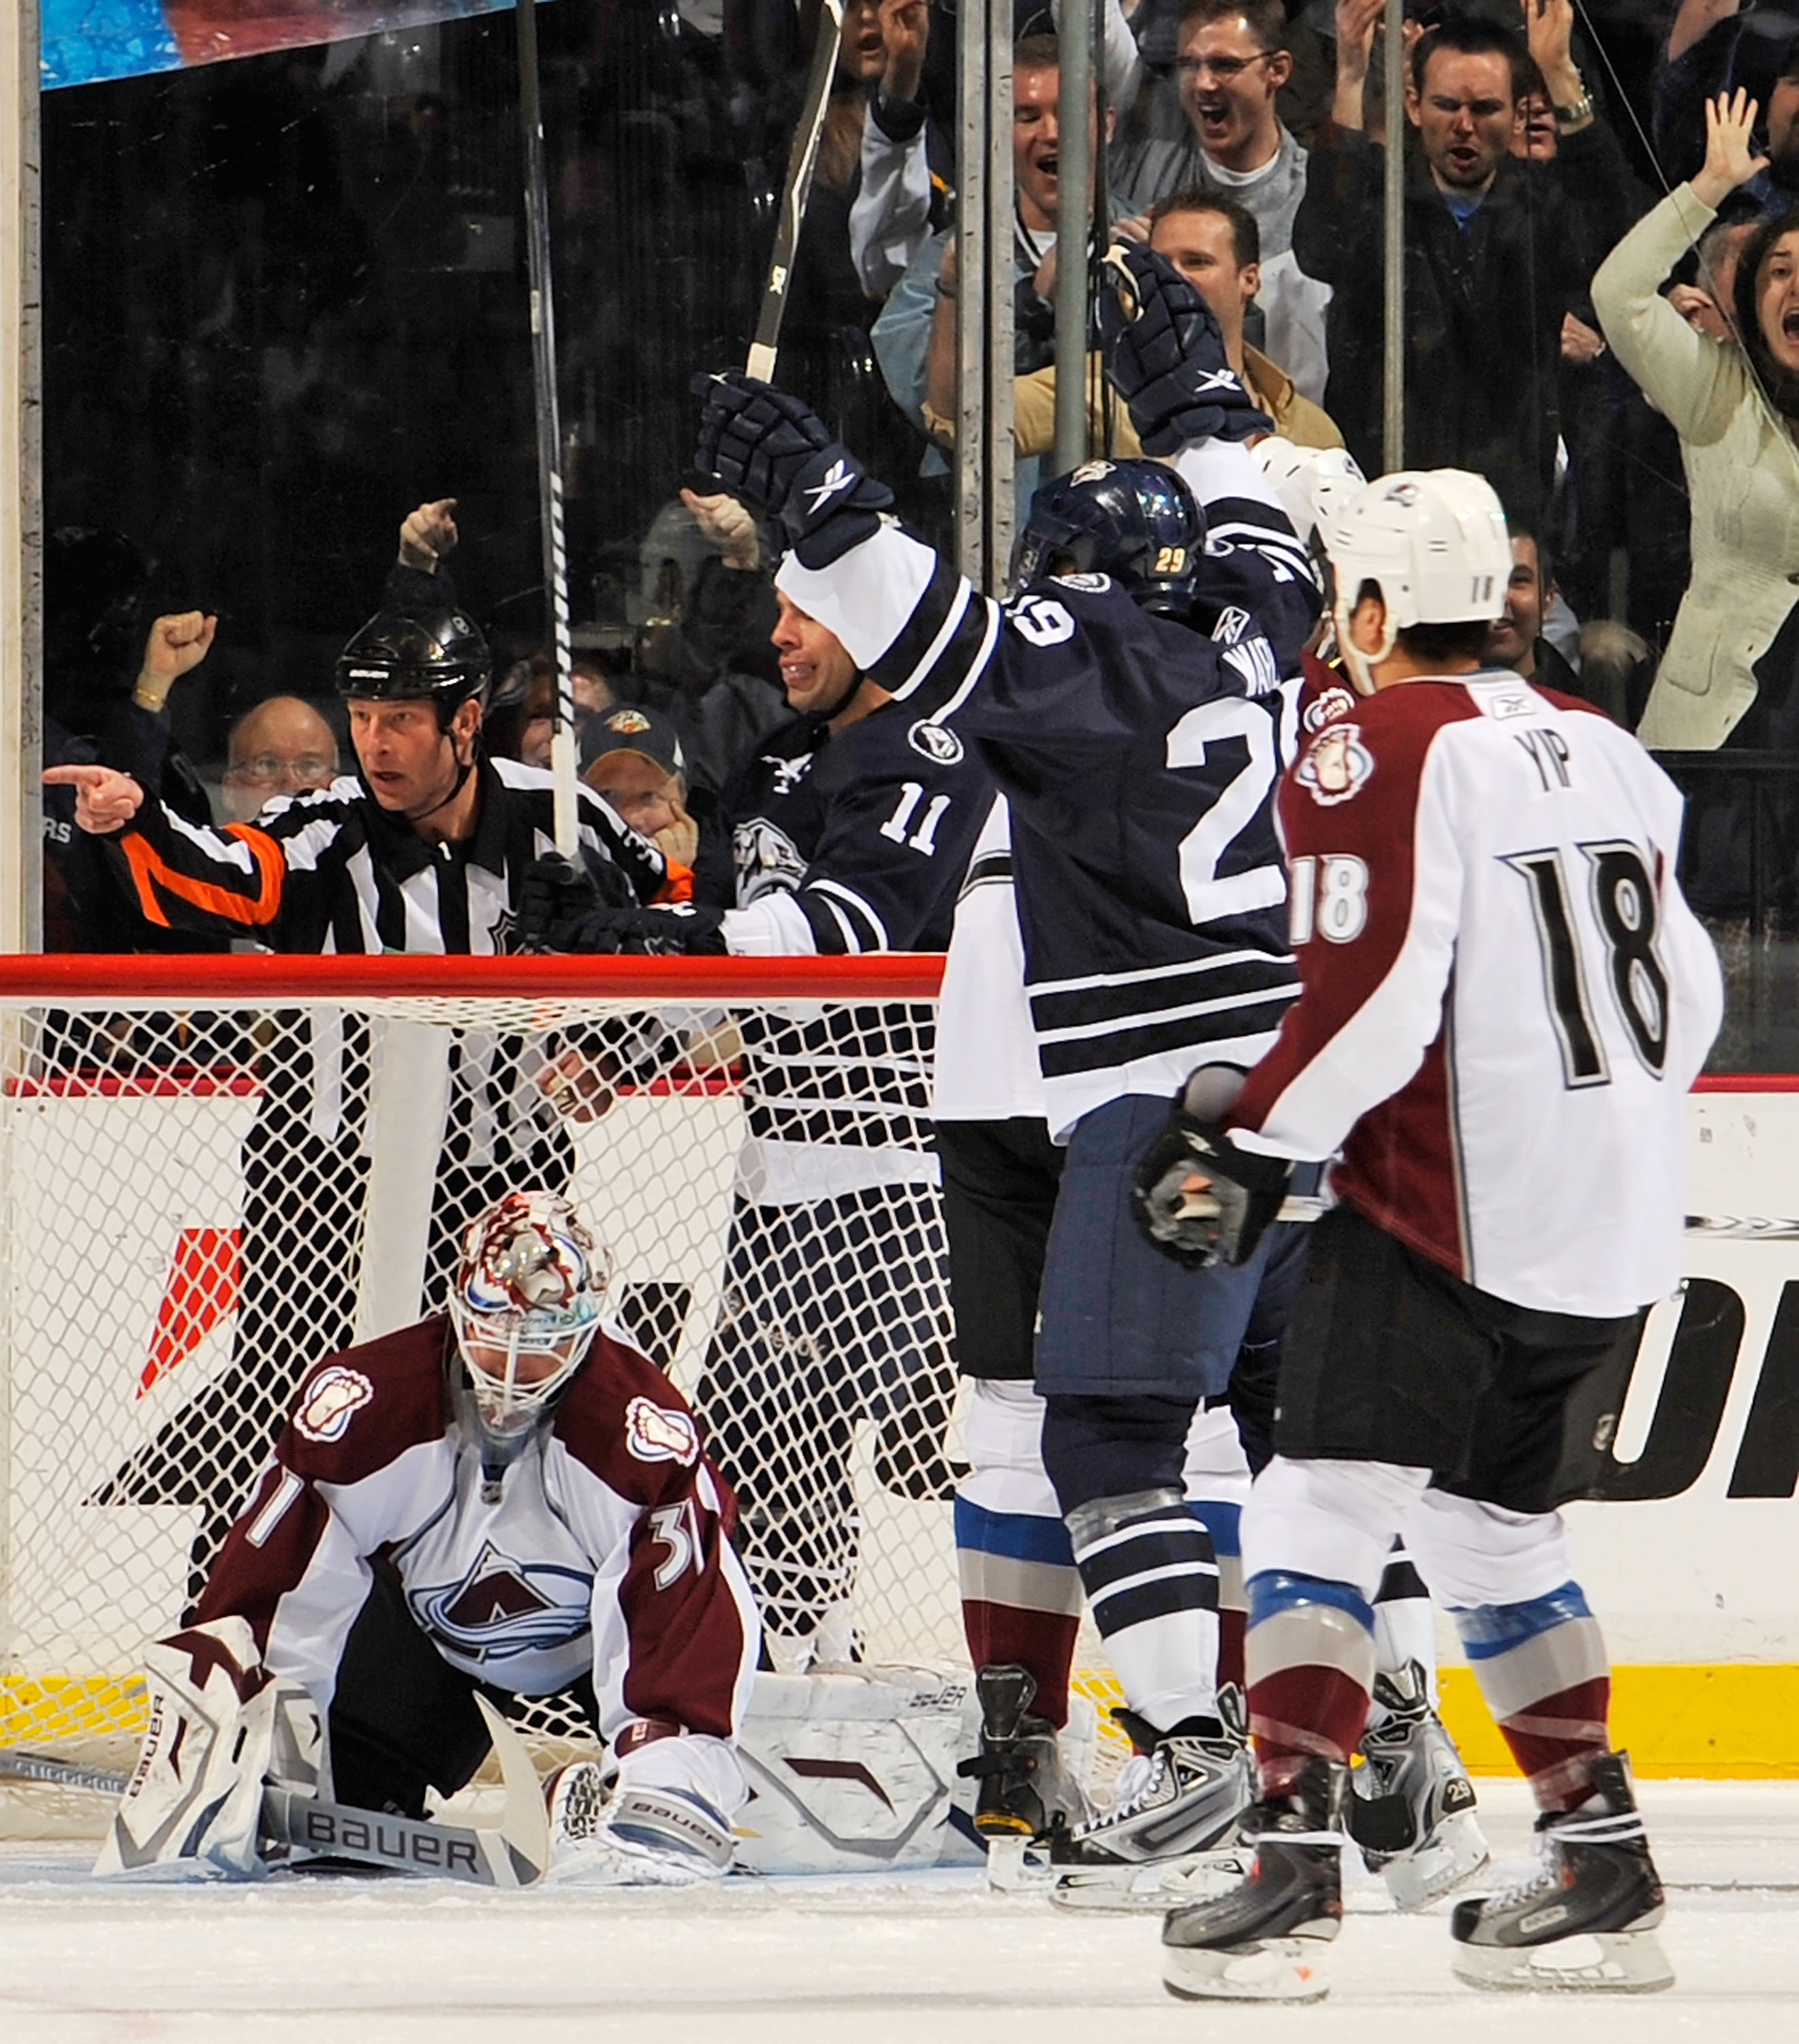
<point>632,1835</point>
<point>776,454</point>
<point>219,1727</point>
<point>1199,1198</point>
<point>1166,357</point>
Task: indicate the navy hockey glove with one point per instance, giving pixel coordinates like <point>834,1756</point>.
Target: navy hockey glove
<point>684,929</point>
<point>1220,1222</point>
<point>1166,356</point>
<point>555,891</point>
<point>778,456</point>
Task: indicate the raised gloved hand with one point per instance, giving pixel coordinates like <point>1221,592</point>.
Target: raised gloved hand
<point>688,929</point>
<point>1166,356</point>
<point>1198,1197</point>
<point>775,453</point>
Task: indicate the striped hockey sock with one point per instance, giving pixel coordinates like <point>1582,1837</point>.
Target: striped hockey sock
<point>1311,1664</point>
<point>1543,1674</point>
<point>1405,1624</point>
<point>1021,1597</point>
<point>1220,1517</point>
<point>1152,1582</point>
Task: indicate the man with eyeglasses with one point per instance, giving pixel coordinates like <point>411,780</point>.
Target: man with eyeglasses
<point>1233,61</point>
<point>282,746</point>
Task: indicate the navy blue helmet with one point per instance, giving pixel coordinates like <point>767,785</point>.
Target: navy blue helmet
<point>1134,520</point>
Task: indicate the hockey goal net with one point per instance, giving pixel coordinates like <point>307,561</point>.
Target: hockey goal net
<point>215,1171</point>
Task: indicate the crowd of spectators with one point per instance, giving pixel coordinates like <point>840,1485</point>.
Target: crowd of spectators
<point>1625,371</point>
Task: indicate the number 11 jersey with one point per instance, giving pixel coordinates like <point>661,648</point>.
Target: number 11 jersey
<point>1504,995</point>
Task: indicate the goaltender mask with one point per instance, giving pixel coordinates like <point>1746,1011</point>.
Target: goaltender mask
<point>506,1501</point>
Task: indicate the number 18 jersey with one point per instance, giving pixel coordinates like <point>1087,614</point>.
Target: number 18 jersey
<point>1505,997</point>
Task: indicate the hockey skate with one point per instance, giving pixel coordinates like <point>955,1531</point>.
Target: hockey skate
<point>1171,1833</point>
<point>1586,1919</point>
<point>1264,1940</point>
<point>1411,1807</point>
<point>1024,1791</point>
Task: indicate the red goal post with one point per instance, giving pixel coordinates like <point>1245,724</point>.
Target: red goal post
<point>214,1168</point>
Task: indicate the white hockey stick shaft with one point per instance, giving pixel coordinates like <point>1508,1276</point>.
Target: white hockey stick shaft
<point>549,434</point>
<point>1718,1227</point>
<point>801,160</point>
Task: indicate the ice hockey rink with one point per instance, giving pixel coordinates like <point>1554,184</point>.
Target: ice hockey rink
<point>844,1960</point>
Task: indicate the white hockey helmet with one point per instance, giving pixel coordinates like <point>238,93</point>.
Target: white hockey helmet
<point>524,1302</point>
<point>1312,483</point>
<point>1433,540</point>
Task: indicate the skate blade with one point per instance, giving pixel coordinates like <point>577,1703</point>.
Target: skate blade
<point>1416,1879</point>
<point>1598,1962</point>
<point>1157,1886</point>
<point>1012,1866</point>
<point>1275,1969</point>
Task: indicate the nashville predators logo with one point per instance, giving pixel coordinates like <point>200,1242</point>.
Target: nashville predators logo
<point>1335,765</point>
<point>654,1433</point>
<point>331,1401</point>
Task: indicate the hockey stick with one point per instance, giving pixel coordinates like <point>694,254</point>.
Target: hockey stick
<point>1301,1206</point>
<point>802,159</point>
<point>549,434</point>
<point>302,1827</point>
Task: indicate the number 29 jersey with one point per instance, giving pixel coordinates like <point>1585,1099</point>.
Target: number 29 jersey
<point>1505,997</point>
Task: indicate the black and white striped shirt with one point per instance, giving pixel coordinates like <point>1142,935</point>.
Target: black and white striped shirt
<point>334,872</point>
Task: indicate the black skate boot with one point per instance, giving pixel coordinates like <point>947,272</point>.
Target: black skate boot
<point>1586,1920</point>
<point>1264,1940</point>
<point>1171,1830</point>
<point>1025,1792</point>
<point>1410,1807</point>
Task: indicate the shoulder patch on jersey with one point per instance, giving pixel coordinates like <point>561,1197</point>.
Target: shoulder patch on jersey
<point>655,1434</point>
<point>936,742</point>
<point>1336,765</point>
<point>1093,584</point>
<point>331,1401</point>
<point>1327,708</point>
<point>765,858</point>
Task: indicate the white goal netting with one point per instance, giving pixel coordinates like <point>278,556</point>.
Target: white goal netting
<point>205,1190</point>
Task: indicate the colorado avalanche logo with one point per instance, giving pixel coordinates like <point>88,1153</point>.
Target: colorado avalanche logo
<point>655,1434</point>
<point>331,1401</point>
<point>1336,765</point>
<point>501,1608</point>
<point>1327,708</point>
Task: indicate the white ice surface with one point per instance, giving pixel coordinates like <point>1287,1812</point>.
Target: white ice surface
<point>934,1958</point>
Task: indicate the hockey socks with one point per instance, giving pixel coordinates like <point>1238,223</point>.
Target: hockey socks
<point>1152,1582</point>
<point>1311,1663</point>
<point>1544,1676</point>
<point>1021,1598</point>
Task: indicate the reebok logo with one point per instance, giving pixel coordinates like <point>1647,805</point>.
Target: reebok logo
<point>838,476</point>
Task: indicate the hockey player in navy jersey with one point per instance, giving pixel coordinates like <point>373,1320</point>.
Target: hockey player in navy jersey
<point>1505,1000</point>
<point>845,832</point>
<point>1134,731</point>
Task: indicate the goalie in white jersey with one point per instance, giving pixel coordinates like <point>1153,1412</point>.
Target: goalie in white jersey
<point>1504,1000</point>
<point>508,1500</point>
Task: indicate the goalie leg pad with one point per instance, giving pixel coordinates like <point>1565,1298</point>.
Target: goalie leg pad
<point>196,1794</point>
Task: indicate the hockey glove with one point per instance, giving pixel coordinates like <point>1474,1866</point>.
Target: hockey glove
<point>777,454</point>
<point>633,1837</point>
<point>1166,356</point>
<point>555,894</point>
<point>1200,1200</point>
<point>688,929</point>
